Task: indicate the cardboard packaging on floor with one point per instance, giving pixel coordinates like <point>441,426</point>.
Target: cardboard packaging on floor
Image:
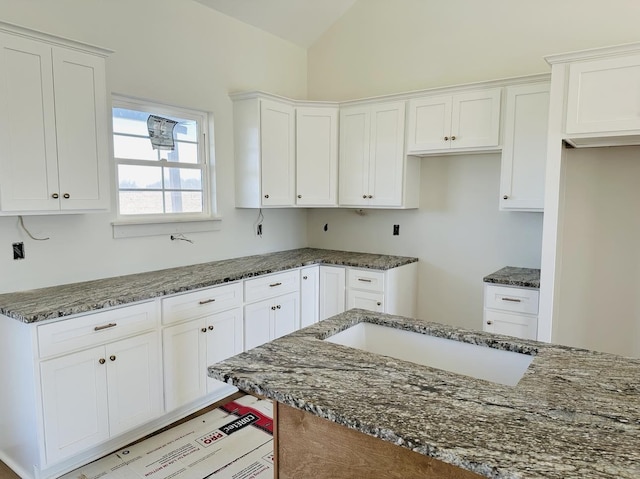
<point>234,441</point>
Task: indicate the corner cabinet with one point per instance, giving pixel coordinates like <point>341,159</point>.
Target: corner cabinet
<point>286,153</point>
<point>524,150</point>
<point>456,122</point>
<point>53,124</point>
<point>374,171</point>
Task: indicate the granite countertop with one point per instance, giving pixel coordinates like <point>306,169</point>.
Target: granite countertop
<point>574,414</point>
<point>58,301</point>
<point>512,276</point>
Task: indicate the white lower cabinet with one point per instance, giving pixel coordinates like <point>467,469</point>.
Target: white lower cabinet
<point>511,311</point>
<point>270,319</point>
<point>188,348</point>
<point>91,395</point>
<point>309,295</point>
<point>332,291</point>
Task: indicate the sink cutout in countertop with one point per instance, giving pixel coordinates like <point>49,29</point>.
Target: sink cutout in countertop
<point>481,362</point>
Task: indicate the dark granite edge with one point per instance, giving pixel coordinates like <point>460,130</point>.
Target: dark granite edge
<point>319,257</point>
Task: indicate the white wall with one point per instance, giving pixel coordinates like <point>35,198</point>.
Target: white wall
<point>382,47</point>
<point>598,305</point>
<point>178,52</point>
<point>458,234</point>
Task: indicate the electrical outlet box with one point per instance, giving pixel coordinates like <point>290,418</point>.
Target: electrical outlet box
<point>396,230</point>
<point>259,230</point>
<point>18,250</point>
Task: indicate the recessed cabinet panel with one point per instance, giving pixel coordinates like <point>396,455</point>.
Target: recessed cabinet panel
<point>28,160</point>
<point>309,295</point>
<point>317,156</point>
<point>332,291</point>
<point>604,95</point>
<point>524,151</point>
<point>277,143</point>
<point>387,155</point>
<point>429,123</point>
<point>475,119</point>
<point>355,131</point>
<point>74,402</point>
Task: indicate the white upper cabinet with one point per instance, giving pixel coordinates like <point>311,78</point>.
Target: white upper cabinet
<point>600,94</point>
<point>454,122</point>
<point>374,172</point>
<point>524,150</point>
<point>277,148</point>
<point>53,126</point>
<point>316,156</point>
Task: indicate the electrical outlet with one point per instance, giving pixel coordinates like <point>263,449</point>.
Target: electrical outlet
<point>396,230</point>
<point>326,227</point>
<point>18,250</point>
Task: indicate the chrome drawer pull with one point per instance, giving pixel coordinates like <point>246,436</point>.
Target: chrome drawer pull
<point>274,285</point>
<point>364,280</point>
<point>106,326</point>
<point>513,300</point>
<point>206,301</point>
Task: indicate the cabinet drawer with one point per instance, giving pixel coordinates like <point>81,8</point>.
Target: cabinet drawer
<point>93,329</point>
<point>197,304</point>
<point>511,324</point>
<point>365,280</point>
<point>518,300</point>
<point>272,285</point>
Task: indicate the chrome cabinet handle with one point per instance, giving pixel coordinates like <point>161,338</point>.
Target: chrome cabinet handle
<point>266,196</point>
<point>489,322</point>
<point>101,361</point>
<point>513,300</point>
<point>275,284</point>
<point>453,138</point>
<point>305,277</point>
<point>299,196</point>
<point>505,197</point>
<point>446,138</point>
<point>379,303</point>
<point>206,301</point>
<point>112,357</point>
<point>66,196</point>
<point>364,280</point>
<point>364,196</point>
<point>210,328</point>
<point>106,326</point>
<point>55,196</point>
<point>204,330</point>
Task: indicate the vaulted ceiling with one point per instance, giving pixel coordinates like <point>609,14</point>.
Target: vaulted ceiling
<point>299,21</point>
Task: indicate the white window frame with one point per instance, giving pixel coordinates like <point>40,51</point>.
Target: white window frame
<point>163,223</point>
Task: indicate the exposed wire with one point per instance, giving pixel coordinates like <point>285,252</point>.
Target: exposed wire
<point>257,225</point>
<point>180,237</point>
<point>21,221</point>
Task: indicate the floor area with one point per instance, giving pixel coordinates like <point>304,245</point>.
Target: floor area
<point>194,433</point>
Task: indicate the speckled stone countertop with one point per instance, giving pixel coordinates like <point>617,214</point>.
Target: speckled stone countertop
<point>58,301</point>
<point>512,276</point>
<point>575,414</point>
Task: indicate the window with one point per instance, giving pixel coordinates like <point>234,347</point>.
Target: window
<point>154,182</point>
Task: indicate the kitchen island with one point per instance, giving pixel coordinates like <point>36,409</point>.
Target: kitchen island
<point>574,413</point>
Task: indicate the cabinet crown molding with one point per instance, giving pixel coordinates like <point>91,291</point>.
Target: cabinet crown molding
<point>539,77</point>
<point>12,29</point>
<point>594,53</point>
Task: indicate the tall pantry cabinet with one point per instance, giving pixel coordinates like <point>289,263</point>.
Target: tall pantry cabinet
<point>53,124</point>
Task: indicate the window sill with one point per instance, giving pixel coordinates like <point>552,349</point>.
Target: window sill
<point>163,226</point>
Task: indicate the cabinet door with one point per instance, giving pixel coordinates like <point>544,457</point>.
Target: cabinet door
<point>518,325</point>
<point>277,144</point>
<point>524,149</point>
<point>74,403</point>
<point>365,300</point>
<point>81,128</point>
<point>224,339</point>
<point>604,95</point>
<point>257,323</point>
<point>386,154</point>
<point>28,160</point>
<point>355,131</point>
<point>317,156</point>
<point>429,124</point>
<point>184,359</point>
<point>309,295</point>
<point>286,317</point>
<point>332,291</point>
<point>133,381</point>
<point>475,119</point>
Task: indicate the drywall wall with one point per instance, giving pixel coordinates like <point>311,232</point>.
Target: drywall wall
<point>380,47</point>
<point>598,305</point>
<point>457,232</point>
<point>177,52</point>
